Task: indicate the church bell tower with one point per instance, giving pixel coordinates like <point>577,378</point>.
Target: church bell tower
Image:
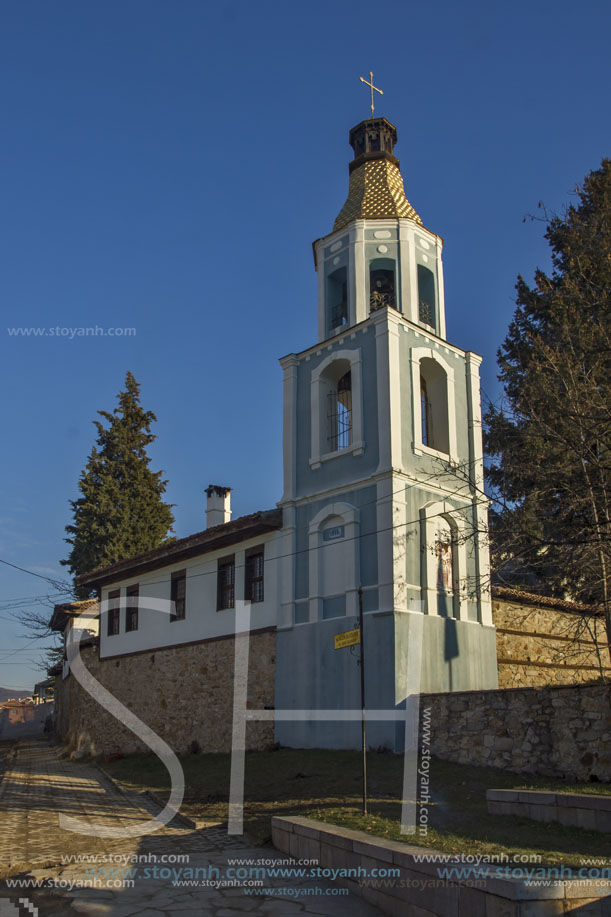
<point>379,254</point>
<point>383,469</point>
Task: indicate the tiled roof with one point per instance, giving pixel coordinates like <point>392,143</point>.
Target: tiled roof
<point>218,536</point>
<point>531,598</point>
<point>62,613</point>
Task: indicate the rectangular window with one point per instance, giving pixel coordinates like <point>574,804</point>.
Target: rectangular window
<point>114,613</point>
<point>131,607</point>
<point>253,579</point>
<point>178,595</point>
<point>226,584</point>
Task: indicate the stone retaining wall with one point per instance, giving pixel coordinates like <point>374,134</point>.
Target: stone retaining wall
<point>184,693</point>
<point>389,876</point>
<point>582,810</point>
<point>557,731</point>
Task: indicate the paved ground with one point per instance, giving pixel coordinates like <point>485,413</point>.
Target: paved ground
<point>150,876</point>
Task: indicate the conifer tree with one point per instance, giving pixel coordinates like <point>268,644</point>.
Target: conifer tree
<point>120,512</point>
<point>549,443</point>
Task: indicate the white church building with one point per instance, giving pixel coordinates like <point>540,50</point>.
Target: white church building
<point>383,492</point>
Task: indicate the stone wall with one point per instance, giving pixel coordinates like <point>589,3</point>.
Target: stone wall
<point>558,731</point>
<point>404,886</point>
<point>543,641</point>
<point>590,811</point>
<point>184,693</point>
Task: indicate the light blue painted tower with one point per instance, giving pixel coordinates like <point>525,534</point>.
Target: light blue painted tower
<point>383,472</point>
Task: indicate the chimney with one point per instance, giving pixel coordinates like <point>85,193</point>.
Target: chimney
<point>218,505</point>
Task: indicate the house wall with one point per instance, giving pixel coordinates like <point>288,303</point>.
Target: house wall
<point>185,694</point>
<point>87,624</point>
<point>202,621</point>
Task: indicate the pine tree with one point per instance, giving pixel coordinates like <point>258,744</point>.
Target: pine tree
<point>550,442</point>
<point>120,512</point>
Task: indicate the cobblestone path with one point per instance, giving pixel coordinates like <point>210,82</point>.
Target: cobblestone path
<point>53,871</point>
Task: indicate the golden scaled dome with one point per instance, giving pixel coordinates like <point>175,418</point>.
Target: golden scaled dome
<point>376,185</point>
<point>376,192</point>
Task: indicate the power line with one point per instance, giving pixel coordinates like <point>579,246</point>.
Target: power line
<point>54,582</point>
<point>27,598</point>
<point>30,664</point>
<point>9,655</point>
<point>15,688</point>
<point>58,583</point>
<point>390,528</point>
<point>15,649</point>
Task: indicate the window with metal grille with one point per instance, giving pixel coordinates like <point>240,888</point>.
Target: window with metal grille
<point>425,313</point>
<point>178,595</point>
<point>339,414</point>
<point>426,296</point>
<point>226,584</point>
<point>131,607</point>
<point>337,299</point>
<point>253,581</point>
<point>425,409</point>
<point>114,613</point>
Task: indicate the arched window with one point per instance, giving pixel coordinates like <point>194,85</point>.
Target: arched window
<point>336,405</point>
<point>426,296</point>
<point>434,406</point>
<point>382,284</point>
<point>334,551</point>
<point>444,554</point>
<point>339,414</point>
<point>337,299</point>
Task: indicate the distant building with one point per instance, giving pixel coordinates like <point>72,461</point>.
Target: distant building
<point>19,711</point>
<point>43,691</point>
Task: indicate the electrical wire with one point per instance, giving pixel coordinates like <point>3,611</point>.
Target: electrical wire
<point>345,540</point>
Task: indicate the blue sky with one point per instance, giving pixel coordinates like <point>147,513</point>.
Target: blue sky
<point>165,167</point>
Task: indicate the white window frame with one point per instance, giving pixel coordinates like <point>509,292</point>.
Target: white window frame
<point>350,517</point>
<point>417,355</point>
<point>428,527</point>
<point>318,407</point>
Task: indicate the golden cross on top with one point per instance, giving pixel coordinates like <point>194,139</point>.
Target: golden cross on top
<point>369,83</point>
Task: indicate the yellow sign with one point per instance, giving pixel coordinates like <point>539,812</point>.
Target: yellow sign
<point>348,638</point>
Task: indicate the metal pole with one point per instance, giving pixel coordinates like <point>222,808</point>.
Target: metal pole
<point>363,735</point>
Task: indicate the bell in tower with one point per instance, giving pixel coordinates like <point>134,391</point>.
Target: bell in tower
<point>379,255</point>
